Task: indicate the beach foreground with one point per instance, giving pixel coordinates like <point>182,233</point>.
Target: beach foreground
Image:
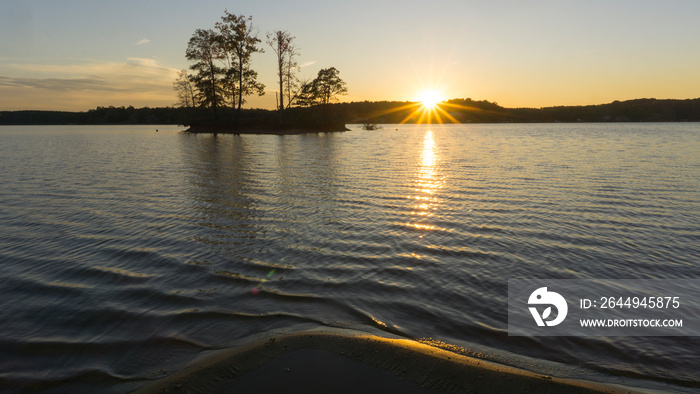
<point>341,361</point>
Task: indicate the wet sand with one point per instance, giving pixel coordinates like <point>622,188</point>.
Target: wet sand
<point>340,361</point>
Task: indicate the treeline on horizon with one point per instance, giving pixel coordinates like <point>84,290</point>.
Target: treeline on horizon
<point>385,112</point>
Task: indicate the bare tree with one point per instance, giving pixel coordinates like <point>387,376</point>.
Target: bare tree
<point>282,44</point>
<point>185,90</point>
<point>293,82</point>
<point>295,89</point>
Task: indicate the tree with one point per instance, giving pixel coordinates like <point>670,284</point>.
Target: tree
<point>185,90</point>
<point>330,85</point>
<point>283,44</point>
<point>323,89</point>
<point>203,49</point>
<point>293,83</point>
<point>236,38</point>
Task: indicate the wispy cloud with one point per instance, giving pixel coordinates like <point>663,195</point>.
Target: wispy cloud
<point>142,41</point>
<point>307,64</point>
<point>56,84</point>
<point>84,84</point>
<point>134,73</point>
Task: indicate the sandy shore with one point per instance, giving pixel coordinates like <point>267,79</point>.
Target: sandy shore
<point>322,361</point>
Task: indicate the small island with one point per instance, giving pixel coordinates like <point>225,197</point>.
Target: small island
<point>262,127</point>
<point>220,77</point>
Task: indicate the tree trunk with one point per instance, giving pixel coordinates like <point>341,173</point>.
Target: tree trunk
<point>240,86</point>
<point>280,64</point>
<point>213,86</point>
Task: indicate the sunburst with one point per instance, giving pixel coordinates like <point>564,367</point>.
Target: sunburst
<point>430,107</point>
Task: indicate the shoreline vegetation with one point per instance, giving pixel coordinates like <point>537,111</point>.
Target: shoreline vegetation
<point>328,117</point>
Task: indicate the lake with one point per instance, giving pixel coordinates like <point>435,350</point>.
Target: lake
<point>126,252</point>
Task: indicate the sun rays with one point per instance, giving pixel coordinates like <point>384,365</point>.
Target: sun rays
<point>430,106</point>
<point>428,110</point>
<point>431,110</point>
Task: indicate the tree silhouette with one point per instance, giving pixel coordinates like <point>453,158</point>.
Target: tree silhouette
<point>282,44</point>
<point>323,89</point>
<point>185,90</point>
<point>203,49</point>
<point>237,39</point>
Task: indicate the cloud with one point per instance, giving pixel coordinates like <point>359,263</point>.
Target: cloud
<point>147,64</point>
<point>307,64</point>
<point>57,84</point>
<point>142,41</point>
<point>136,73</point>
<point>86,84</point>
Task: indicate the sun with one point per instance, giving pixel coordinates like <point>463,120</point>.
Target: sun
<point>429,99</point>
<point>427,107</point>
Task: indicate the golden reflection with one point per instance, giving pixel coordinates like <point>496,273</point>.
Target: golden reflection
<point>122,272</point>
<point>427,184</point>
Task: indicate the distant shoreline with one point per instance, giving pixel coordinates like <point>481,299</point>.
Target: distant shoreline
<point>377,112</point>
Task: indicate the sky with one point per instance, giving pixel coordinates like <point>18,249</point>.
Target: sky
<point>75,55</point>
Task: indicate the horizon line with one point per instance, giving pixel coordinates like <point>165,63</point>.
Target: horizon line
<point>364,101</point>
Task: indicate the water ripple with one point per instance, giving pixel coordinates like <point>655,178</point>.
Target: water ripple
<point>138,250</point>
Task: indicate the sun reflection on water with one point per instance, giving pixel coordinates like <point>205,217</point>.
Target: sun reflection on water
<point>427,184</point>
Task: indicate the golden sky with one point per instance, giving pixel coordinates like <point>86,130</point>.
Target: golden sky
<point>76,55</point>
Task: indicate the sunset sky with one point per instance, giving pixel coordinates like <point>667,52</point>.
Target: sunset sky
<point>76,55</point>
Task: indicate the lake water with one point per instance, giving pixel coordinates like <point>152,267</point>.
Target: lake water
<point>126,252</point>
